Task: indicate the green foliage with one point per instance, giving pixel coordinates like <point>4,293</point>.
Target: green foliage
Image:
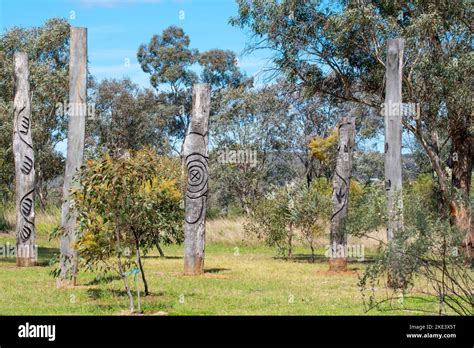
<point>311,211</point>
<point>423,187</point>
<point>125,205</point>
<point>249,121</point>
<point>4,225</point>
<point>220,68</point>
<point>127,118</point>
<point>168,58</point>
<point>339,50</point>
<point>270,219</point>
<point>47,47</point>
<point>275,216</point>
<point>322,186</point>
<point>367,209</point>
<point>368,166</point>
<point>426,250</point>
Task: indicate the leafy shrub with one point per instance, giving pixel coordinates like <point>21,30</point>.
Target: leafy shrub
<point>4,225</point>
<point>276,216</point>
<point>426,251</point>
<point>126,205</point>
<point>311,212</point>
<point>271,221</point>
<point>367,208</point>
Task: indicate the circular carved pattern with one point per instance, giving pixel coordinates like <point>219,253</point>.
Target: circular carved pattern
<point>197,175</point>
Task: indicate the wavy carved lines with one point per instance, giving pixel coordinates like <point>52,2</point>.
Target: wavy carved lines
<point>25,232</point>
<point>27,165</point>
<point>23,152</point>
<point>23,126</point>
<point>26,204</point>
<point>26,208</point>
<point>340,195</point>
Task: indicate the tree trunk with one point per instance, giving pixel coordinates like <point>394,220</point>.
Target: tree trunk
<point>75,150</point>
<point>460,210</point>
<point>24,164</point>
<point>41,190</point>
<point>140,265</point>
<point>340,194</point>
<point>125,282</point>
<point>290,242</point>
<point>139,261</point>
<point>393,135</point>
<point>158,247</point>
<point>196,158</point>
<point>393,158</point>
<point>122,271</point>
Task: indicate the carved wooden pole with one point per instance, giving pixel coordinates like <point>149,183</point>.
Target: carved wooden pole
<point>393,153</point>
<point>340,195</point>
<point>24,164</point>
<point>75,150</point>
<point>195,154</point>
<point>393,135</point>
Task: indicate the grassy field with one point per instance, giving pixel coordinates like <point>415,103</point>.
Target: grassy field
<point>241,278</point>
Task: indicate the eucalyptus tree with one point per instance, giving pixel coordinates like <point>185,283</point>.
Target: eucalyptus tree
<point>250,143</point>
<point>47,47</point>
<point>168,59</point>
<point>338,49</point>
<point>171,63</point>
<point>127,117</point>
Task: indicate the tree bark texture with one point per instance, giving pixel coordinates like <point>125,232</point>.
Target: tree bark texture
<point>24,164</point>
<point>195,154</point>
<point>340,195</point>
<point>75,150</point>
<point>393,135</point>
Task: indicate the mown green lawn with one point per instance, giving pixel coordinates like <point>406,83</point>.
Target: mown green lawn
<point>250,282</point>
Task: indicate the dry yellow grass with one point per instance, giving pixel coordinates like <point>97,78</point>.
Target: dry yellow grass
<point>231,232</point>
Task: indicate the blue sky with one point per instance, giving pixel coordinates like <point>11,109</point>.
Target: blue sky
<point>117,27</point>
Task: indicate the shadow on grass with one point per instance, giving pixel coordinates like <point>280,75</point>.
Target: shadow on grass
<point>216,270</point>
<point>162,257</point>
<point>96,294</point>
<point>104,279</point>
<point>308,258</point>
<point>44,256</point>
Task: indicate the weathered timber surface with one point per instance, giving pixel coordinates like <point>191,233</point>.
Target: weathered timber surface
<point>195,154</point>
<point>75,149</point>
<point>340,195</point>
<point>24,164</point>
<point>393,135</point>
